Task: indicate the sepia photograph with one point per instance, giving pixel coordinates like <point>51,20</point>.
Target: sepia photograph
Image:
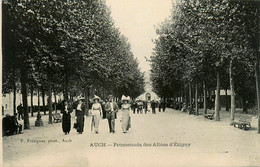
<point>130,83</point>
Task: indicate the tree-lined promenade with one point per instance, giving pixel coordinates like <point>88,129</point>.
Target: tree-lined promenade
<point>206,46</point>
<point>68,47</point>
<point>205,142</point>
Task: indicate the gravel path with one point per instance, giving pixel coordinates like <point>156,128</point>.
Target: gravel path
<point>168,138</point>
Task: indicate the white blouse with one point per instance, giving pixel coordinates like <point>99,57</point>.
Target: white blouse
<point>96,106</point>
<point>79,107</point>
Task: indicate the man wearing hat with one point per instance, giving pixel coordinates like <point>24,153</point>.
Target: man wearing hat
<point>111,109</point>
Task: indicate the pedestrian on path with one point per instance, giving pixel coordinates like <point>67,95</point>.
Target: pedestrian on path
<point>145,107</point>
<point>153,106</point>
<point>126,108</point>
<point>96,113</point>
<point>111,109</point>
<point>163,105</point>
<point>160,105</point>
<point>80,116</point>
<point>103,103</point>
<point>3,110</point>
<point>134,105</point>
<point>66,118</point>
<point>20,110</point>
<point>139,106</point>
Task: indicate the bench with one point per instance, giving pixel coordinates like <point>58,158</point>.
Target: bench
<point>191,111</point>
<point>244,122</point>
<point>209,116</point>
<point>56,117</point>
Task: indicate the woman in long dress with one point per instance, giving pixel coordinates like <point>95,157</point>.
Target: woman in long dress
<point>126,108</point>
<point>80,117</point>
<point>66,118</point>
<point>96,113</point>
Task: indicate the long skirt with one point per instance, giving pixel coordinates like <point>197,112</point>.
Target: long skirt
<point>66,122</point>
<point>96,116</point>
<point>125,120</point>
<point>104,113</point>
<point>80,124</point>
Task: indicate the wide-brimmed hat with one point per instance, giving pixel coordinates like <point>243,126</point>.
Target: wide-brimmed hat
<point>110,96</point>
<point>80,98</point>
<point>96,97</point>
<point>138,100</point>
<point>124,98</point>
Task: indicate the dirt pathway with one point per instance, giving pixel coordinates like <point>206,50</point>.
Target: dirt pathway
<point>165,139</point>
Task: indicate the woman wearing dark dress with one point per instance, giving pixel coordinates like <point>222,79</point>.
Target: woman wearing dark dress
<point>80,117</point>
<point>66,118</point>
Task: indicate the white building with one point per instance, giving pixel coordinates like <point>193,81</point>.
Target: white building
<point>148,95</point>
<point>7,101</point>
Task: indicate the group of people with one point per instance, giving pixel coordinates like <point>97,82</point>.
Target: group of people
<point>10,125</point>
<point>98,110</point>
<point>139,106</point>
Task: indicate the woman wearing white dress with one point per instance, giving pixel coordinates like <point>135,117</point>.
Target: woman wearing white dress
<point>96,113</point>
<point>126,108</point>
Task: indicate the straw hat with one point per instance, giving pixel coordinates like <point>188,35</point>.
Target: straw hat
<point>138,100</point>
<point>96,97</point>
<point>80,98</point>
<point>124,98</point>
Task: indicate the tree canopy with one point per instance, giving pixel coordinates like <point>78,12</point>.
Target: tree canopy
<point>66,46</point>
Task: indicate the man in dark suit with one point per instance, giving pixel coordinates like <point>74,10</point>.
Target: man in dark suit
<point>20,111</point>
<point>134,106</point>
<point>145,107</point>
<point>111,109</point>
<point>153,106</point>
<point>163,105</point>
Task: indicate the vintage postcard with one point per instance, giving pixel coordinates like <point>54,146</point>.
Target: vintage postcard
<point>132,83</point>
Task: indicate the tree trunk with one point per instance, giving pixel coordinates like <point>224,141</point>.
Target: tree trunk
<point>86,100</point>
<point>180,99</point>
<point>257,71</point>
<point>63,91</point>
<point>226,98</point>
<point>14,100</point>
<point>190,97</point>
<point>55,100</point>
<point>232,91</point>
<point>49,101</point>
<point>31,100</point>
<point>186,96</point>
<point>24,97</point>
<point>196,99</point>
<point>104,94</point>
<point>39,100</point>
<point>217,99</point>
<point>66,96</point>
<point>257,68</point>
<point>43,101</point>
<point>205,98</point>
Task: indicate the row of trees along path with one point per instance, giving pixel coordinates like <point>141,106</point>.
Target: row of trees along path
<point>65,47</point>
<point>208,46</point>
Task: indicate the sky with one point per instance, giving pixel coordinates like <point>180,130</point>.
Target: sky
<point>136,19</point>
